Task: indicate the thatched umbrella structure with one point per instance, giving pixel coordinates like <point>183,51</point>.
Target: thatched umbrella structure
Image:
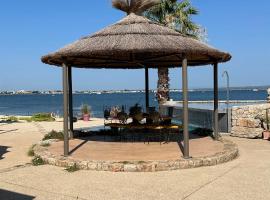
<point>134,43</point>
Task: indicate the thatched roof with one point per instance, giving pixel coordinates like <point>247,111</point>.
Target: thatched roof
<point>133,42</point>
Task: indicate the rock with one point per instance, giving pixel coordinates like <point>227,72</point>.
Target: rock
<point>244,122</point>
<point>83,165</point>
<point>245,132</point>
<point>92,166</point>
<point>130,168</point>
<point>116,167</point>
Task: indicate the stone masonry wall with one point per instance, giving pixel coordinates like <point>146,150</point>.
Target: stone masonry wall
<point>244,123</point>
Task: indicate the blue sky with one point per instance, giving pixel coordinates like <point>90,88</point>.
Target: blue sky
<point>30,29</point>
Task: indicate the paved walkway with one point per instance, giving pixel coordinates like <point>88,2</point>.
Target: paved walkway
<point>247,177</point>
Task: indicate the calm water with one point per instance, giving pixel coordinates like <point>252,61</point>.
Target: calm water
<point>30,104</point>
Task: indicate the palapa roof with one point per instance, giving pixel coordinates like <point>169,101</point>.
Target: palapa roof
<point>135,42</point>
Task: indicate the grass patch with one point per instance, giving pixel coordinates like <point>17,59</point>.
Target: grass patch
<point>12,119</point>
<point>39,117</point>
<point>42,117</point>
<point>28,119</point>
<point>54,135</point>
<point>30,151</point>
<point>72,168</point>
<point>37,160</point>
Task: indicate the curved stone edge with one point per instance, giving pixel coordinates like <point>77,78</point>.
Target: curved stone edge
<point>230,152</point>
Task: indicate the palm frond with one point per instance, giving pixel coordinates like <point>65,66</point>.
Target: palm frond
<point>134,6</point>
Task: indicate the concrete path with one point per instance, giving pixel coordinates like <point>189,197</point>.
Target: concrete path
<point>247,177</point>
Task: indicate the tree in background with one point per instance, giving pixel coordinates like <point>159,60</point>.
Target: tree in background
<point>178,16</point>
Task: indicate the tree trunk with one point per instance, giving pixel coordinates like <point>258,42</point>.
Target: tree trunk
<point>163,86</point>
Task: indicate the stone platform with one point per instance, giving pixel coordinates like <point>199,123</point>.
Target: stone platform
<point>100,155</point>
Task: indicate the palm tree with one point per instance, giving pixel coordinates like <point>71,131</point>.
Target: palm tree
<point>176,15</point>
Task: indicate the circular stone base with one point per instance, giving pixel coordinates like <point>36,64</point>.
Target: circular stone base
<point>229,152</point>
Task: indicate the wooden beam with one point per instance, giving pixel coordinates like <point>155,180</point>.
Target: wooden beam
<point>65,109</point>
<point>185,108</point>
<point>70,103</point>
<point>146,89</point>
<point>216,126</point>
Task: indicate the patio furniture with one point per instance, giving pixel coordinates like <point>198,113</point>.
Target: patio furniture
<point>152,127</point>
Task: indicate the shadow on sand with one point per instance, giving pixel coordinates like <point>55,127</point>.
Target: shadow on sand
<point>8,195</point>
<point>3,150</point>
<point>137,136</point>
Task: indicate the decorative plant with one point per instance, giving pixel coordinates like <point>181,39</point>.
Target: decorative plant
<point>85,109</point>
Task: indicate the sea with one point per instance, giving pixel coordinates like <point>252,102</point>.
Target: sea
<point>27,105</point>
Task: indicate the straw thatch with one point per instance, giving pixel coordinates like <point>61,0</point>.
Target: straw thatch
<point>135,42</point>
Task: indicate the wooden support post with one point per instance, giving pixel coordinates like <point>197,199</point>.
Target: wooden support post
<point>185,108</point>
<point>216,126</point>
<point>70,102</point>
<point>146,89</point>
<point>65,109</point>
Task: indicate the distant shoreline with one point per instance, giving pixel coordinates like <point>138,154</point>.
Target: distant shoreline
<point>58,92</point>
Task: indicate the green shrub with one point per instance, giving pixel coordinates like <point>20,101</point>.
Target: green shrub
<point>42,117</point>
<point>30,151</point>
<point>12,119</point>
<point>37,160</point>
<point>72,168</point>
<point>85,109</point>
<point>54,135</point>
<point>28,119</point>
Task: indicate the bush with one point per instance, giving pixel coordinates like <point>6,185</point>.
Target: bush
<point>28,119</point>
<point>54,135</point>
<point>30,151</point>
<point>37,160</point>
<point>85,109</point>
<point>42,117</point>
<point>12,119</point>
<point>72,168</point>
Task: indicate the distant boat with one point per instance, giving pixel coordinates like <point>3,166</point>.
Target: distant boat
<point>255,90</point>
